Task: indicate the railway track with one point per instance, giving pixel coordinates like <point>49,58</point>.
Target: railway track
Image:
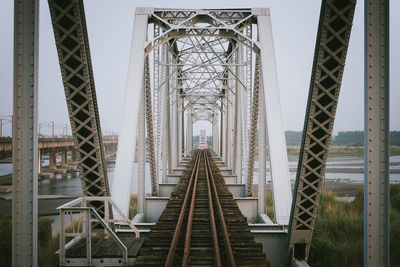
<point>201,224</point>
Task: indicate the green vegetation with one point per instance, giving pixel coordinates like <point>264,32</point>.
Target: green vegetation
<point>343,151</point>
<point>338,234</point>
<point>133,206</point>
<point>47,246</point>
<point>337,238</point>
<point>347,138</point>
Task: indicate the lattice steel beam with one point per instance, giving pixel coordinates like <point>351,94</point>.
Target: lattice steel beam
<point>150,131</point>
<point>253,129</point>
<point>70,33</point>
<point>329,60</point>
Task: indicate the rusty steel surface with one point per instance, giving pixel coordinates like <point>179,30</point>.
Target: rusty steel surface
<point>201,224</point>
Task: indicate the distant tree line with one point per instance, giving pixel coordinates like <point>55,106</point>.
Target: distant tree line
<point>346,138</point>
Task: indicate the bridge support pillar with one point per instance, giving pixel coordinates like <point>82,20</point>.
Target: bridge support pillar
<point>64,158</point>
<point>52,160</point>
<point>73,156</point>
<point>39,161</point>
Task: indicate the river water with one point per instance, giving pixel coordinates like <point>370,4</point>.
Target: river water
<point>340,169</point>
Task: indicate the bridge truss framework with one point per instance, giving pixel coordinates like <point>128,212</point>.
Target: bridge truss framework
<point>215,65</point>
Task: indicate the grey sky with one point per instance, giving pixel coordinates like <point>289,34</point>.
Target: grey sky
<point>110,27</point>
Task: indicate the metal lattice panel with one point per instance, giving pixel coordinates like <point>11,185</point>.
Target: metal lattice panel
<point>150,135</point>
<point>329,60</point>
<point>70,33</point>
<point>253,133</point>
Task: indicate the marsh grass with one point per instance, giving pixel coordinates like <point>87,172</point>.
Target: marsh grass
<point>338,234</point>
<point>337,238</point>
<point>133,206</point>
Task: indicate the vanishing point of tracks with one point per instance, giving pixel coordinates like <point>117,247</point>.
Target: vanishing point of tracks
<point>201,224</point>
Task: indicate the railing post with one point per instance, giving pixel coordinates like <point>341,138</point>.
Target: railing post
<point>88,239</point>
<point>62,237</point>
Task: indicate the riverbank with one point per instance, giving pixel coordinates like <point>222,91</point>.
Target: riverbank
<point>343,151</point>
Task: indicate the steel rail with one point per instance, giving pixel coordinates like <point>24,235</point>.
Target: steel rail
<point>221,217</point>
<point>212,221</point>
<point>171,253</point>
<point>188,236</point>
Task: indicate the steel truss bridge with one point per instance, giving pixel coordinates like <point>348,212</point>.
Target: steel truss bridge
<point>188,65</point>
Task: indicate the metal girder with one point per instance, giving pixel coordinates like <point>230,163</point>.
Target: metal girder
<point>69,25</point>
<point>376,144</point>
<point>150,131</point>
<point>25,134</point>
<point>329,59</point>
<point>134,91</point>
<point>253,130</point>
<point>282,193</point>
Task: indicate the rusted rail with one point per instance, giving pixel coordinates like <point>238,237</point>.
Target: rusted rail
<point>201,224</point>
<point>213,225</point>
<point>221,217</point>
<point>171,253</point>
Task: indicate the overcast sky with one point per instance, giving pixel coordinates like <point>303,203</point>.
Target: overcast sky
<point>110,22</point>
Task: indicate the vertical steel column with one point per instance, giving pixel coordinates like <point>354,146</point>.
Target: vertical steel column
<point>227,134</point>
<point>376,144</point>
<point>168,104</point>
<point>127,138</point>
<point>176,130</point>
<point>237,124</point>
<point>190,136</point>
<point>24,134</point>
<point>215,134</point>
<point>165,128</point>
<point>156,101</point>
<point>240,93</point>
<point>277,145</point>
<point>235,112</point>
<point>261,155</point>
<point>221,130</point>
<point>253,130</point>
<point>189,131</point>
<point>141,155</point>
<point>183,139</point>
<point>150,132</point>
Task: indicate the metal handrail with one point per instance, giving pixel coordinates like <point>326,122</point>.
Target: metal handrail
<point>91,211</point>
<point>79,205</point>
<point>106,200</point>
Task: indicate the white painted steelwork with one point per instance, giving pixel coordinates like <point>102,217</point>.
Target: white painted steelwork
<point>276,138</point>
<point>123,171</point>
